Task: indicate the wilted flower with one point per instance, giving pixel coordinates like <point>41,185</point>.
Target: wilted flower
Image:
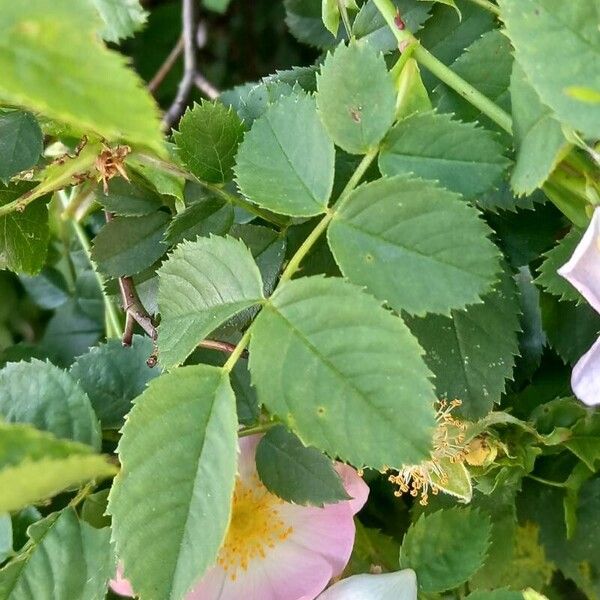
<point>583,273</point>
<point>401,585</point>
<point>275,550</point>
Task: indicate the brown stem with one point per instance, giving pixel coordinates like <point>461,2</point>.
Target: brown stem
<point>167,65</point>
<point>206,87</point>
<point>221,346</point>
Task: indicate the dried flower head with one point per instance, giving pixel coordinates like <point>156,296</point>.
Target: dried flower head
<point>110,163</point>
<point>448,446</point>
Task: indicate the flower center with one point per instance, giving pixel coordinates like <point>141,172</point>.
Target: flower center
<point>256,527</point>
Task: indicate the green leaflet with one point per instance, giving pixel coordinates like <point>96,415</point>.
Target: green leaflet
<point>450,3</point>
<point>45,39</point>
<point>21,142</point>
<point>207,141</point>
<point>502,594</point>
<point>296,473</point>
<point>286,161</point>
<point>462,157</point>
<point>345,374</point>
<point>486,64</point>
<point>304,19</point>
<point>445,548</point>
<point>414,245</point>
<point>35,465</point>
<point>201,285</point>
<point>23,235</point>
<point>548,277</point>
<point>45,396</point>
<point>6,537</point>
<point>585,440</point>
<point>122,18</point>
<point>113,375</point>
<point>538,136</point>
<point>64,559</point>
<point>356,97</point>
<point>171,501</point>
<point>129,200</point>
<point>472,353</point>
<point>128,245</point>
<point>556,70</point>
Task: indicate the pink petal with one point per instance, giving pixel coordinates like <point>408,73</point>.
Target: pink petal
<point>120,585</point>
<point>357,489</point>
<point>401,585</point>
<point>585,378</point>
<point>582,270</point>
<point>287,573</point>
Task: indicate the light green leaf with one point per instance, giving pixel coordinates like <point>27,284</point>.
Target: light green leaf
<point>462,157</point>
<point>538,136</point>
<point>445,548</point>
<point>128,245</point>
<point>584,441</point>
<point>207,141</point>
<point>456,481</point>
<point>45,396</point>
<point>297,473</point>
<point>370,26</point>
<point>548,277</point>
<point>23,235</point>
<point>40,60</point>
<point>219,6</point>
<point>554,69</point>
<point>412,94</point>
<point>486,65</point>
<point>122,18</point>
<point>64,559</point>
<point>286,161</point>
<point>356,97</point>
<point>330,14</point>
<point>171,501</point>
<point>201,285</point>
<point>414,245</point>
<point>21,142</point>
<point>6,537</point>
<point>472,353</point>
<point>35,465</point>
<point>112,375</point>
<point>344,374</point>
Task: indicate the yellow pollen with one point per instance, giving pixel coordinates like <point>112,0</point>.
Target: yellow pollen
<point>256,527</point>
<point>448,443</point>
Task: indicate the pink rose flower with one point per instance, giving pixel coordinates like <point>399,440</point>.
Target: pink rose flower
<point>275,550</point>
<point>583,273</point>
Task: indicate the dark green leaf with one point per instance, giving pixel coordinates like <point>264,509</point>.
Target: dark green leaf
<point>21,142</point>
<point>94,509</point>
<point>502,594</point>
<point>127,199</point>
<point>445,548</point>
<point>127,245</point>
<point>303,17</point>
<point>297,473</point>
<point>113,375</point>
<point>207,141</point>
<point>45,396</point>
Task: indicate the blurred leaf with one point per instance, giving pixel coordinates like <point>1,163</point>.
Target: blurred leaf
<point>297,473</point>
<point>45,396</point>
<point>372,548</point>
<point>21,142</point>
<point>94,509</point>
<point>48,289</point>
<point>584,441</point>
<point>191,482</point>
<point>445,548</point>
<point>6,537</point>
<point>303,17</point>
<point>122,18</point>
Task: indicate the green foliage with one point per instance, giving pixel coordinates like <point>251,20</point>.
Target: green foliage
<point>23,235</point>
<point>472,352</point>
<point>464,158</point>
<point>356,97</point>
<point>286,160</point>
<point>112,376</point>
<point>122,18</point>
<point>21,142</point>
<point>502,594</point>
<point>185,421</point>
<point>315,349</point>
<point>296,473</point>
<point>207,141</point>
<point>29,45</point>
<point>45,396</point>
<point>129,200</point>
<point>201,285</point>
<point>58,541</point>
<point>445,548</point>
<point>414,245</point>
<point>35,465</point>
<point>533,27</point>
